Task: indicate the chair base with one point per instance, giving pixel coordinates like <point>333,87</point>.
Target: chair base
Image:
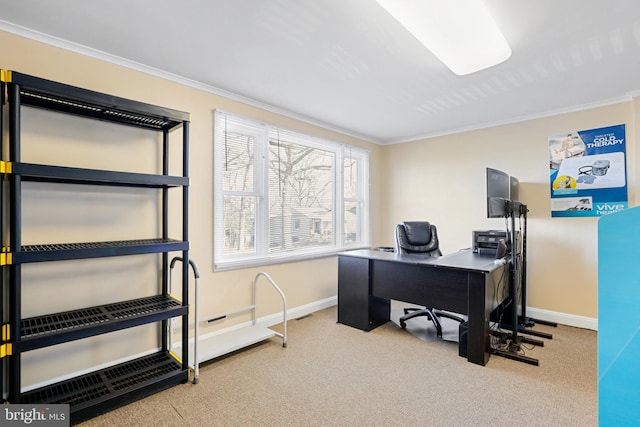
<point>431,313</point>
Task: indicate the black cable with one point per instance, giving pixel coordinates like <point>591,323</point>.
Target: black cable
<point>495,328</point>
<point>506,338</point>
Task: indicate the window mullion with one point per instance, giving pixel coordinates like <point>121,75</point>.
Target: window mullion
<point>338,201</point>
<point>262,187</point>
<point>365,200</point>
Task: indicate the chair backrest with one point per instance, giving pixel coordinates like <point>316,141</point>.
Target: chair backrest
<point>417,237</point>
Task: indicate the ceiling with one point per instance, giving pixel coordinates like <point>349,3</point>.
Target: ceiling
<point>348,66</point>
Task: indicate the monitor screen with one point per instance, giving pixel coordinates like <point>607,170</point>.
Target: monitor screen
<point>514,185</point>
<point>498,193</point>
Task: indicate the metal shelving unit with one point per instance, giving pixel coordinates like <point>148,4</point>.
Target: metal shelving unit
<point>94,393</point>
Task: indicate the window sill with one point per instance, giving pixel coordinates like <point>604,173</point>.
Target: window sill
<point>282,259</point>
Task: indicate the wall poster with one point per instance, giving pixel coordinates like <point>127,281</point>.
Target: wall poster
<point>588,175</point>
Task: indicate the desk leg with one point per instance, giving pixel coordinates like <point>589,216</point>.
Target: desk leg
<point>356,306</point>
<point>478,335</point>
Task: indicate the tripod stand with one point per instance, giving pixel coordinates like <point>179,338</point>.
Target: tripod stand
<point>517,282</point>
<point>526,322</point>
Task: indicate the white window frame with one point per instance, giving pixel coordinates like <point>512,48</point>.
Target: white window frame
<point>261,255</point>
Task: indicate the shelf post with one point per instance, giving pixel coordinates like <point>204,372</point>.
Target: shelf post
<point>185,238</point>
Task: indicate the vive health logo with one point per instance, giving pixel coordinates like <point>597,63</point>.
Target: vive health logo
<point>606,208</point>
<point>35,415</point>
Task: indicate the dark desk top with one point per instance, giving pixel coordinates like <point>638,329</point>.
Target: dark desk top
<point>461,260</point>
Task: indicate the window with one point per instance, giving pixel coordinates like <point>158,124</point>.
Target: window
<point>281,195</point>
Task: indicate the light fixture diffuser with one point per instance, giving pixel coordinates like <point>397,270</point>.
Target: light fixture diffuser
<point>461,33</point>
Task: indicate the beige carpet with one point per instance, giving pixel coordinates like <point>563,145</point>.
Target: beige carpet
<point>334,375</point>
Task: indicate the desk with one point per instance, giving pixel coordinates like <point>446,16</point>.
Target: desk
<point>462,282</point>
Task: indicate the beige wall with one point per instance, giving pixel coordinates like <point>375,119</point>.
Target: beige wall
<point>443,180</point>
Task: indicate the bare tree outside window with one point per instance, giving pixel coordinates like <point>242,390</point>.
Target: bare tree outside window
<point>352,200</point>
<point>282,195</point>
<point>300,192</point>
<point>239,207</point>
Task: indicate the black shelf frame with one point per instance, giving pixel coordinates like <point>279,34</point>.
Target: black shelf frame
<point>57,328</point>
<point>69,251</point>
<point>47,94</point>
<point>100,391</point>
<point>91,394</point>
<point>68,175</point>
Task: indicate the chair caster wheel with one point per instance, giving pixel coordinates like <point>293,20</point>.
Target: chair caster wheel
<point>403,325</point>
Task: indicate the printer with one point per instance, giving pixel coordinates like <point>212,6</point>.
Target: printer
<point>491,242</point>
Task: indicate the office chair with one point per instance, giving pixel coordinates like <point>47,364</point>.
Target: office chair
<point>421,238</point>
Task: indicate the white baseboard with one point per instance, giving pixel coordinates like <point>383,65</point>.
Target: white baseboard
<point>276,318</point>
<point>304,310</point>
<point>563,318</point>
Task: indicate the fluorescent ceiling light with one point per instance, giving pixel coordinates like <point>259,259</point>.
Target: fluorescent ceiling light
<point>461,33</point>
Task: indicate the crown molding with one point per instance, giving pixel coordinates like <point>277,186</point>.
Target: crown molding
<point>155,72</point>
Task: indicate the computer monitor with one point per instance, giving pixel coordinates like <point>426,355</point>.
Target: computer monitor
<point>514,188</point>
<point>498,193</point>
